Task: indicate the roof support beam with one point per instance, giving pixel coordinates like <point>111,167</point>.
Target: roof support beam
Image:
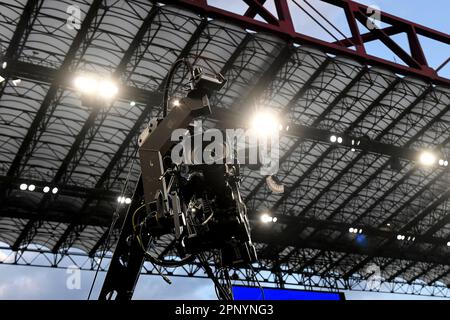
<point>20,36</point>
<point>442,198</point>
<point>359,11</point>
<point>89,130</point>
<point>385,165</point>
<point>79,45</point>
<point>76,50</point>
<point>315,75</point>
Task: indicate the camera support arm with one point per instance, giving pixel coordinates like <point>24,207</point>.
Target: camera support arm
<point>128,256</point>
<point>154,144</point>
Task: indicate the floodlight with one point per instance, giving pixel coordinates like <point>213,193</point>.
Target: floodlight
<point>265,123</point>
<point>23,186</point>
<point>427,158</point>
<point>86,85</point>
<point>55,190</point>
<point>265,218</point>
<point>107,89</point>
<point>46,189</point>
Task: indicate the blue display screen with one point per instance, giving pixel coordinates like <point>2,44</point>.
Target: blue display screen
<point>255,293</point>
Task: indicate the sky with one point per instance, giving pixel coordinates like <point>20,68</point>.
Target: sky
<point>21,282</point>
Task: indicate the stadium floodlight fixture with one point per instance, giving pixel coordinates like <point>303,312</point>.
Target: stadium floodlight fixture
<point>55,190</point>
<point>86,84</point>
<point>443,162</point>
<point>107,89</point>
<point>427,158</point>
<point>264,123</point>
<point>31,187</point>
<point>266,218</point>
<point>46,189</point>
<point>23,186</point>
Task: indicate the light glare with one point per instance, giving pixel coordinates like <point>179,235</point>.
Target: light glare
<point>23,186</point>
<point>86,85</point>
<point>107,89</point>
<point>265,218</point>
<point>427,158</point>
<point>265,123</point>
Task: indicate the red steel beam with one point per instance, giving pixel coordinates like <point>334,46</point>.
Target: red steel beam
<point>368,37</point>
<point>284,28</point>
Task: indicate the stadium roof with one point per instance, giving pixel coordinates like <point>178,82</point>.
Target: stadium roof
<point>48,137</point>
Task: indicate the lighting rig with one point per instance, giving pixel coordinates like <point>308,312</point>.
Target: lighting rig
<point>196,208</point>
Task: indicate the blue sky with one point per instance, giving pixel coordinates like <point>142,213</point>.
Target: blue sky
<point>18,282</point>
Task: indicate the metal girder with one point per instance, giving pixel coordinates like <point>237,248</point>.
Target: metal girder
<point>236,53</point>
<point>401,270</point>
<point>358,157</point>
<point>292,229</point>
<point>443,197</point>
<point>328,151</point>
<point>46,74</point>
<point>437,226</point>
<point>80,43</point>
<point>265,79</point>
<point>379,170</point>
<point>284,28</point>
<point>399,210</point>
<point>386,164</point>
<point>422,273</point>
<point>20,36</point>
<point>90,128</point>
<point>264,273</point>
<point>73,57</point>
<point>439,277</point>
<point>290,104</point>
<point>347,247</point>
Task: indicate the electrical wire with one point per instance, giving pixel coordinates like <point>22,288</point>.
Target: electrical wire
<point>151,258</point>
<point>316,21</point>
<point>324,18</point>
<point>111,227</point>
<point>263,296</point>
<point>169,80</point>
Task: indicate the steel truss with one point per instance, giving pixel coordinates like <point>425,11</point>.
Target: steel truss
<point>311,279</point>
